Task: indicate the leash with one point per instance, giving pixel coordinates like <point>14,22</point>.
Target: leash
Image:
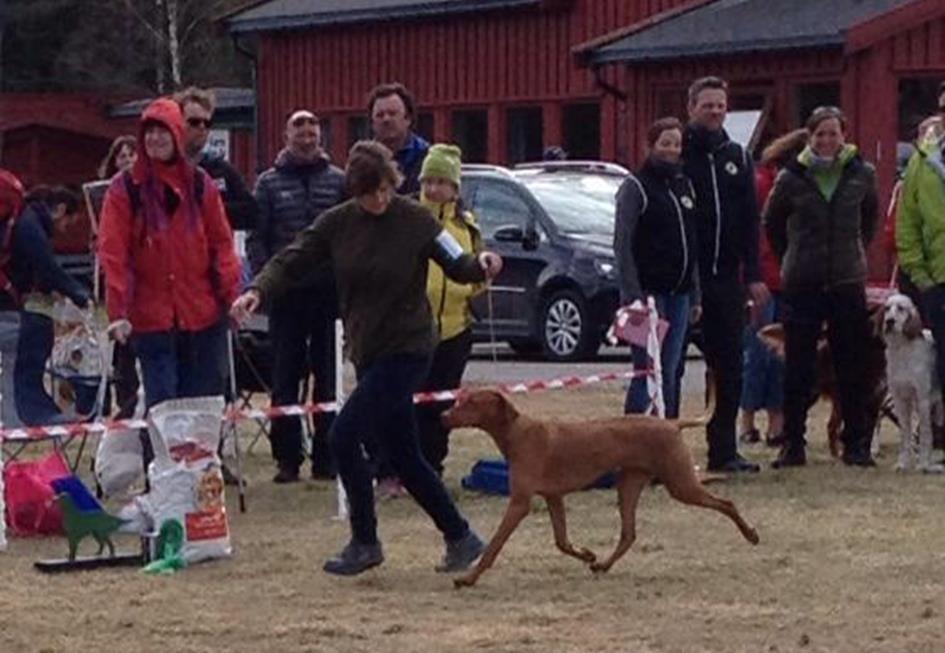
<point>492,340</point>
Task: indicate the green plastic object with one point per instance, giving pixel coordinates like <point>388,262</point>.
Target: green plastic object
<point>170,541</point>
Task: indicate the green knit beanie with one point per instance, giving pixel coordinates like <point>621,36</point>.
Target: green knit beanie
<point>443,161</point>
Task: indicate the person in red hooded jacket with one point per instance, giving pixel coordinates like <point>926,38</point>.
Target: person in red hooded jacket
<point>170,267</point>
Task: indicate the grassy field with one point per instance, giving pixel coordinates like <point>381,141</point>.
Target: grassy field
<point>850,560</point>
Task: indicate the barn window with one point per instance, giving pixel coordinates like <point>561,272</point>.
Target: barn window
<point>359,129</point>
<point>581,129</point>
<point>471,133</point>
<point>423,125</point>
<point>808,97</point>
<point>523,134</point>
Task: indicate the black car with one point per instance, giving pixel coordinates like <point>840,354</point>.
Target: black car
<point>553,225</point>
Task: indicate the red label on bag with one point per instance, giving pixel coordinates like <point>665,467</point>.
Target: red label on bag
<point>208,525</point>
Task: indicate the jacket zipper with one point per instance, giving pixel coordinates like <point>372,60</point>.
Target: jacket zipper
<point>718,213</point>
<point>682,235</point>
<point>439,316</point>
<point>844,178</point>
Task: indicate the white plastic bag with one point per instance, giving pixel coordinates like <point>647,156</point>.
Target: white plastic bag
<point>118,461</point>
<point>185,475</point>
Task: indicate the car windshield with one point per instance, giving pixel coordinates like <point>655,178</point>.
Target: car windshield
<point>577,203</point>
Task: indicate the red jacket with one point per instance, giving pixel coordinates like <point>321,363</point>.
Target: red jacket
<point>770,265</point>
<point>176,269</point>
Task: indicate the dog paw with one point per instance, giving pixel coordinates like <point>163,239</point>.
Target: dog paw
<point>902,466</point>
<point>935,468</point>
<point>463,581</point>
<point>586,555</point>
<point>599,567</point>
<point>752,536</point>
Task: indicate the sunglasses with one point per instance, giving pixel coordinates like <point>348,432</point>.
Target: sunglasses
<point>205,123</point>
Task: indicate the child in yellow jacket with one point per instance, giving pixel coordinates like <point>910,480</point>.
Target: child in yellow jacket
<point>449,301</point>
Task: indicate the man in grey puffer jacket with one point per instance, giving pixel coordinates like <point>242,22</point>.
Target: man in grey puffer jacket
<point>297,189</point>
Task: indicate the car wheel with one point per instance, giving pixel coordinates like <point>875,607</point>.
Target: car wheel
<point>566,330</point>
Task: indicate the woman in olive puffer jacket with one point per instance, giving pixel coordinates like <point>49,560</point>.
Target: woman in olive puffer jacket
<point>820,219</point>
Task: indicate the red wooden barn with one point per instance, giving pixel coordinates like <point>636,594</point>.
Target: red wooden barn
<point>495,76</point>
<point>880,60</point>
<point>505,78</point>
<point>55,138</point>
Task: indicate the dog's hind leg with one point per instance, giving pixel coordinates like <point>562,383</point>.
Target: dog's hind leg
<point>689,490</point>
<point>629,487</point>
<point>925,437</point>
<point>516,511</point>
<point>559,524</point>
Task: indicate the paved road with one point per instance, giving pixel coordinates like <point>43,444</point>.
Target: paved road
<point>507,367</point>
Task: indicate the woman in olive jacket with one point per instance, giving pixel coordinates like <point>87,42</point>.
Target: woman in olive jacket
<point>820,219</point>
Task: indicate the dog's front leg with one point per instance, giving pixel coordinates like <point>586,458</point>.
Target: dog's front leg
<point>925,436</point>
<point>903,407</point>
<point>559,524</point>
<point>515,512</point>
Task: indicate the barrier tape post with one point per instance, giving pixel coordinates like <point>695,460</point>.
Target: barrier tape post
<point>341,512</point>
<point>231,428</point>
<point>654,382</point>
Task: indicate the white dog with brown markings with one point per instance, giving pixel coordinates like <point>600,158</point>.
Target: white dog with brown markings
<point>913,381</point>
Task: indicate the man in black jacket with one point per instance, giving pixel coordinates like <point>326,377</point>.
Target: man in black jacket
<point>297,189</point>
<point>728,229</point>
<point>198,106</point>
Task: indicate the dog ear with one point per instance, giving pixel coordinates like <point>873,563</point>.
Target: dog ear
<point>913,325</point>
<point>506,408</point>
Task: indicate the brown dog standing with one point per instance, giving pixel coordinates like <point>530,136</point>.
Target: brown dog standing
<point>552,459</point>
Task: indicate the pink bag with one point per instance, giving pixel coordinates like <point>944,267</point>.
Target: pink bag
<point>30,500</point>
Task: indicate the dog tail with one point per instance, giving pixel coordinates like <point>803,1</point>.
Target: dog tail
<point>703,419</point>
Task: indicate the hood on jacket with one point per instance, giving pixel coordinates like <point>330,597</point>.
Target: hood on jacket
<point>178,174</point>
<point>166,112</point>
<point>808,159</point>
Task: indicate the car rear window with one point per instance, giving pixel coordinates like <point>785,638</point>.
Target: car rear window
<point>578,204</point>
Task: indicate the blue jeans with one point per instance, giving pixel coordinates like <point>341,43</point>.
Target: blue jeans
<point>33,404</point>
<point>9,342</point>
<point>762,370</point>
<point>675,310</point>
<point>177,364</point>
<point>380,415</point>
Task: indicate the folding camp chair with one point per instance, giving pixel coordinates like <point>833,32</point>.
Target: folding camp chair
<point>253,371</point>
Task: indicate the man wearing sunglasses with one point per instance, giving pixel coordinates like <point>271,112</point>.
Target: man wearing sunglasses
<point>300,186</point>
<point>198,105</point>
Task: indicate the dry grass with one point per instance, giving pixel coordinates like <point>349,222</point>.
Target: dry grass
<point>850,560</point>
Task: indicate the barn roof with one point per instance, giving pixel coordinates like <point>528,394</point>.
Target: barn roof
<point>295,14</point>
<point>739,26</point>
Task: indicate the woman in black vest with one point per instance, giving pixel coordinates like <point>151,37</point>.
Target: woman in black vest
<point>654,243</point>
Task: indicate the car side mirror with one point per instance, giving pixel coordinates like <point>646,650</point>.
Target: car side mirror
<point>509,234</point>
<point>531,239</point>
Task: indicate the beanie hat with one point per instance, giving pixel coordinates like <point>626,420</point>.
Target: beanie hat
<point>443,161</point>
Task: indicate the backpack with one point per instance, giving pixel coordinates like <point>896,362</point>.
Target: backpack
<point>12,195</point>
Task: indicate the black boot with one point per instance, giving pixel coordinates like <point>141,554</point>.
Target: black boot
<point>791,455</point>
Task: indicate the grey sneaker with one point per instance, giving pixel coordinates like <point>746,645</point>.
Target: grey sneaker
<point>354,558</point>
<point>461,553</point>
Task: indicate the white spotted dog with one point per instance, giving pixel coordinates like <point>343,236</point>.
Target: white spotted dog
<point>913,381</point>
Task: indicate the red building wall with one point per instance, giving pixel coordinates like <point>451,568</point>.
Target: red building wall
<point>488,60</point>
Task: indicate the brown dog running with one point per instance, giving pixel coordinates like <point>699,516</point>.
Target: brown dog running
<point>552,459</point>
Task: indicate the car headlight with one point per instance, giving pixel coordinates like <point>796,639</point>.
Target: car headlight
<point>604,268</point>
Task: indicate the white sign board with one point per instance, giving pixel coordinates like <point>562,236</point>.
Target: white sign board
<point>742,125</point>
<point>218,144</point>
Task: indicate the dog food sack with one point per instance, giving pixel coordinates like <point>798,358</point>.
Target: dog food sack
<point>118,461</point>
<point>186,478</point>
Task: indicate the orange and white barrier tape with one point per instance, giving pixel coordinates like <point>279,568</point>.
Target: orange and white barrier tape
<point>273,412</point>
